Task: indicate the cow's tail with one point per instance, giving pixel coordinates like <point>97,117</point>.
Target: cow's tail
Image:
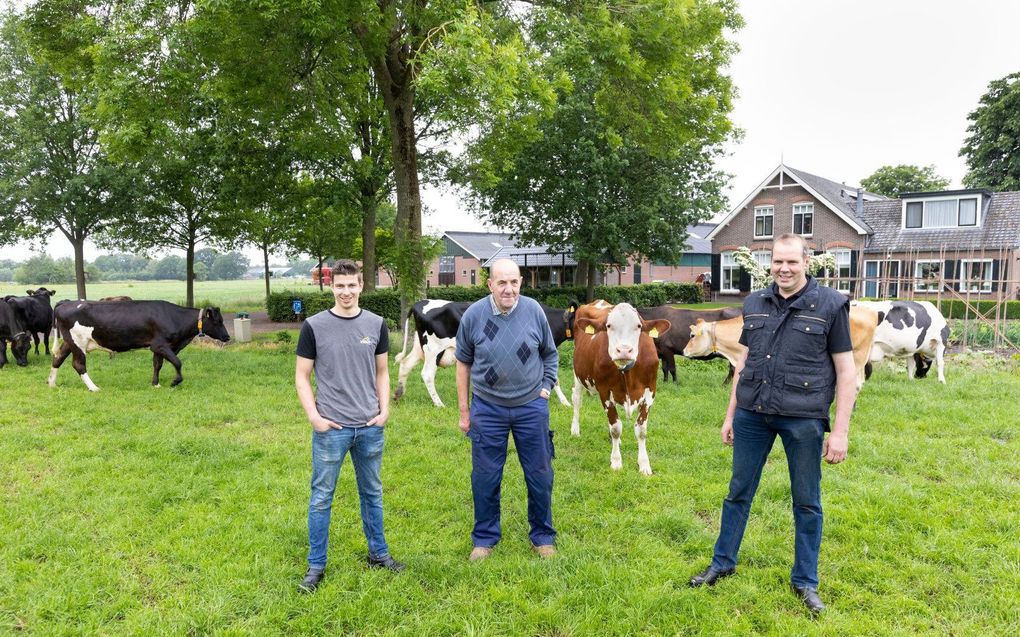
<point>403,348</point>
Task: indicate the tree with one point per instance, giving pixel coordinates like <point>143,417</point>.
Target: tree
<point>992,150</point>
<point>55,175</point>
<point>608,176</point>
<point>42,269</point>
<point>169,268</point>
<point>158,118</point>
<point>229,266</point>
<point>893,180</point>
<point>206,256</point>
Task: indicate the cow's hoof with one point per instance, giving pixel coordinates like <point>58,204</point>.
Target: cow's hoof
<point>575,432</point>
<point>616,465</point>
<point>645,471</point>
<point>156,386</point>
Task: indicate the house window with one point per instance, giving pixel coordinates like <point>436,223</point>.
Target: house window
<point>730,273</point>
<point>842,274</point>
<point>803,218</point>
<point>975,275</point>
<point>949,212</point>
<point>927,275</point>
<point>763,221</point>
<point>764,259</point>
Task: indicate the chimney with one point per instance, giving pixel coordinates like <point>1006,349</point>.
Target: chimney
<point>860,202</point>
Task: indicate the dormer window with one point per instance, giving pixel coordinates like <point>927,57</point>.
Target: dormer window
<point>941,212</point>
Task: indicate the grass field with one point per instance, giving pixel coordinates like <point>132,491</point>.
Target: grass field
<point>182,511</point>
<point>230,296</point>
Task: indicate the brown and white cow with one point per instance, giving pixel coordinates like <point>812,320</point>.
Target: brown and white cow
<point>708,337</point>
<point>615,357</point>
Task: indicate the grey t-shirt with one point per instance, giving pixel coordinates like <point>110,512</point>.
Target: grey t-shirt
<point>344,351</point>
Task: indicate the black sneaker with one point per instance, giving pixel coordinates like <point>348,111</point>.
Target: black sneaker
<point>311,581</point>
<point>387,562</point>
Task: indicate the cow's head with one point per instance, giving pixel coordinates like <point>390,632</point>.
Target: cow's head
<point>702,341</point>
<point>623,327</point>
<point>42,293</point>
<point>20,345</point>
<point>212,324</point>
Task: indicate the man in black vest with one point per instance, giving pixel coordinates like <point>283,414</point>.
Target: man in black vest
<point>799,356</point>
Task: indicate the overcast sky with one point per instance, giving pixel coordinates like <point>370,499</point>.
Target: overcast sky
<point>838,88</point>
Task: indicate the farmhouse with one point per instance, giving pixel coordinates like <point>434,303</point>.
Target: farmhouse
<point>466,253</point>
<point>957,242</point>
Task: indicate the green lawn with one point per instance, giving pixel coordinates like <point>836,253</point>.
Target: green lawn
<point>143,511</point>
<point>230,296</point>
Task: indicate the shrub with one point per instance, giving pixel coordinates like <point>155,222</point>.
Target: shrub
<point>957,309</point>
<point>386,302</point>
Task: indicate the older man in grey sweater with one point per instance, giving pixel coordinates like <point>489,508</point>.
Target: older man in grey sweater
<point>507,360</point>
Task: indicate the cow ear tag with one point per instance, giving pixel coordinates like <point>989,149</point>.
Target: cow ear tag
<point>654,332</point>
<point>588,329</point>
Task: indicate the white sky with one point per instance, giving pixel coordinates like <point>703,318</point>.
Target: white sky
<point>836,88</point>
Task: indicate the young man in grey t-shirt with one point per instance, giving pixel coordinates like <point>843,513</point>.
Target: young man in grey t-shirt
<point>347,349</point>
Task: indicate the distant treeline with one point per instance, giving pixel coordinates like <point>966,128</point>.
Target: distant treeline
<point>210,265</point>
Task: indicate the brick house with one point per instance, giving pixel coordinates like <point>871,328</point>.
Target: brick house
<point>466,253</point>
<point>919,244</point>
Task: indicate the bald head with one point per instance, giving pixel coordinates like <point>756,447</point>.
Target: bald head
<point>505,283</point>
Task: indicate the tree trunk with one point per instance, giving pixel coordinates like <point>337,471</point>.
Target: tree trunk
<point>265,265</point>
<point>319,257</point>
<point>368,210</point>
<point>189,275</point>
<point>590,287</point>
<point>79,265</point>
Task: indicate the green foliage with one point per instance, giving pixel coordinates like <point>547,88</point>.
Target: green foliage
<point>55,176</point>
<point>141,511</point>
<point>991,148</point>
<point>42,268</point>
<point>229,266</point>
<point>386,302</point>
<point>893,180</point>
<point>957,309</point>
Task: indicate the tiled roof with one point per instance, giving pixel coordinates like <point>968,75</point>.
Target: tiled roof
<point>838,195</point>
<point>1000,228</point>
<point>482,244</point>
<point>534,256</point>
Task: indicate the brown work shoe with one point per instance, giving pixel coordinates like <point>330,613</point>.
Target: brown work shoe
<point>545,551</point>
<point>479,553</point>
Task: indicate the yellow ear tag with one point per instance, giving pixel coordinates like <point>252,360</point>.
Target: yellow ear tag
<point>588,329</point>
<point>568,333</point>
<point>654,332</point>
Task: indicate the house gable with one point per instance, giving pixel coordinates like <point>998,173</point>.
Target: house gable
<point>824,193</point>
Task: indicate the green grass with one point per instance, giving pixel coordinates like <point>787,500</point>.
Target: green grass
<point>182,511</point>
<point>230,296</point>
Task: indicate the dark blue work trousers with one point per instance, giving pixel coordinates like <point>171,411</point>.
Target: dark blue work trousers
<point>491,426</point>
<point>753,436</point>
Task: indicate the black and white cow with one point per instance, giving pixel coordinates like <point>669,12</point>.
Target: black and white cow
<point>435,325</point>
<point>119,326</point>
<point>912,329</point>
<point>36,314</point>
<point>12,329</point>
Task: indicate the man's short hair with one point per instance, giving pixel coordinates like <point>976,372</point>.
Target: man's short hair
<point>346,267</point>
<point>788,237</point>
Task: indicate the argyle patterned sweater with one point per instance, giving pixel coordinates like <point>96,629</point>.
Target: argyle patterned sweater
<point>512,356</point>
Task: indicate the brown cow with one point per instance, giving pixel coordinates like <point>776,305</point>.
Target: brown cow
<point>614,356</point>
<point>708,337</point>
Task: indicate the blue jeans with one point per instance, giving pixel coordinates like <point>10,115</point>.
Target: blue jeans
<point>753,435</point>
<point>491,426</point>
<point>328,450</point>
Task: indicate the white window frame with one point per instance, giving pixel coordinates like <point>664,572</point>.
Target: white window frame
<point>764,258</point>
<point>963,284</point>
<point>724,268</point>
<point>842,279</point>
<point>764,212</point>
<point>924,211</point>
<point>921,284</point>
<point>807,210</point>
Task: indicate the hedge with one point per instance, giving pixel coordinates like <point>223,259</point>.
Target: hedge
<point>386,303</point>
<point>955,308</point>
